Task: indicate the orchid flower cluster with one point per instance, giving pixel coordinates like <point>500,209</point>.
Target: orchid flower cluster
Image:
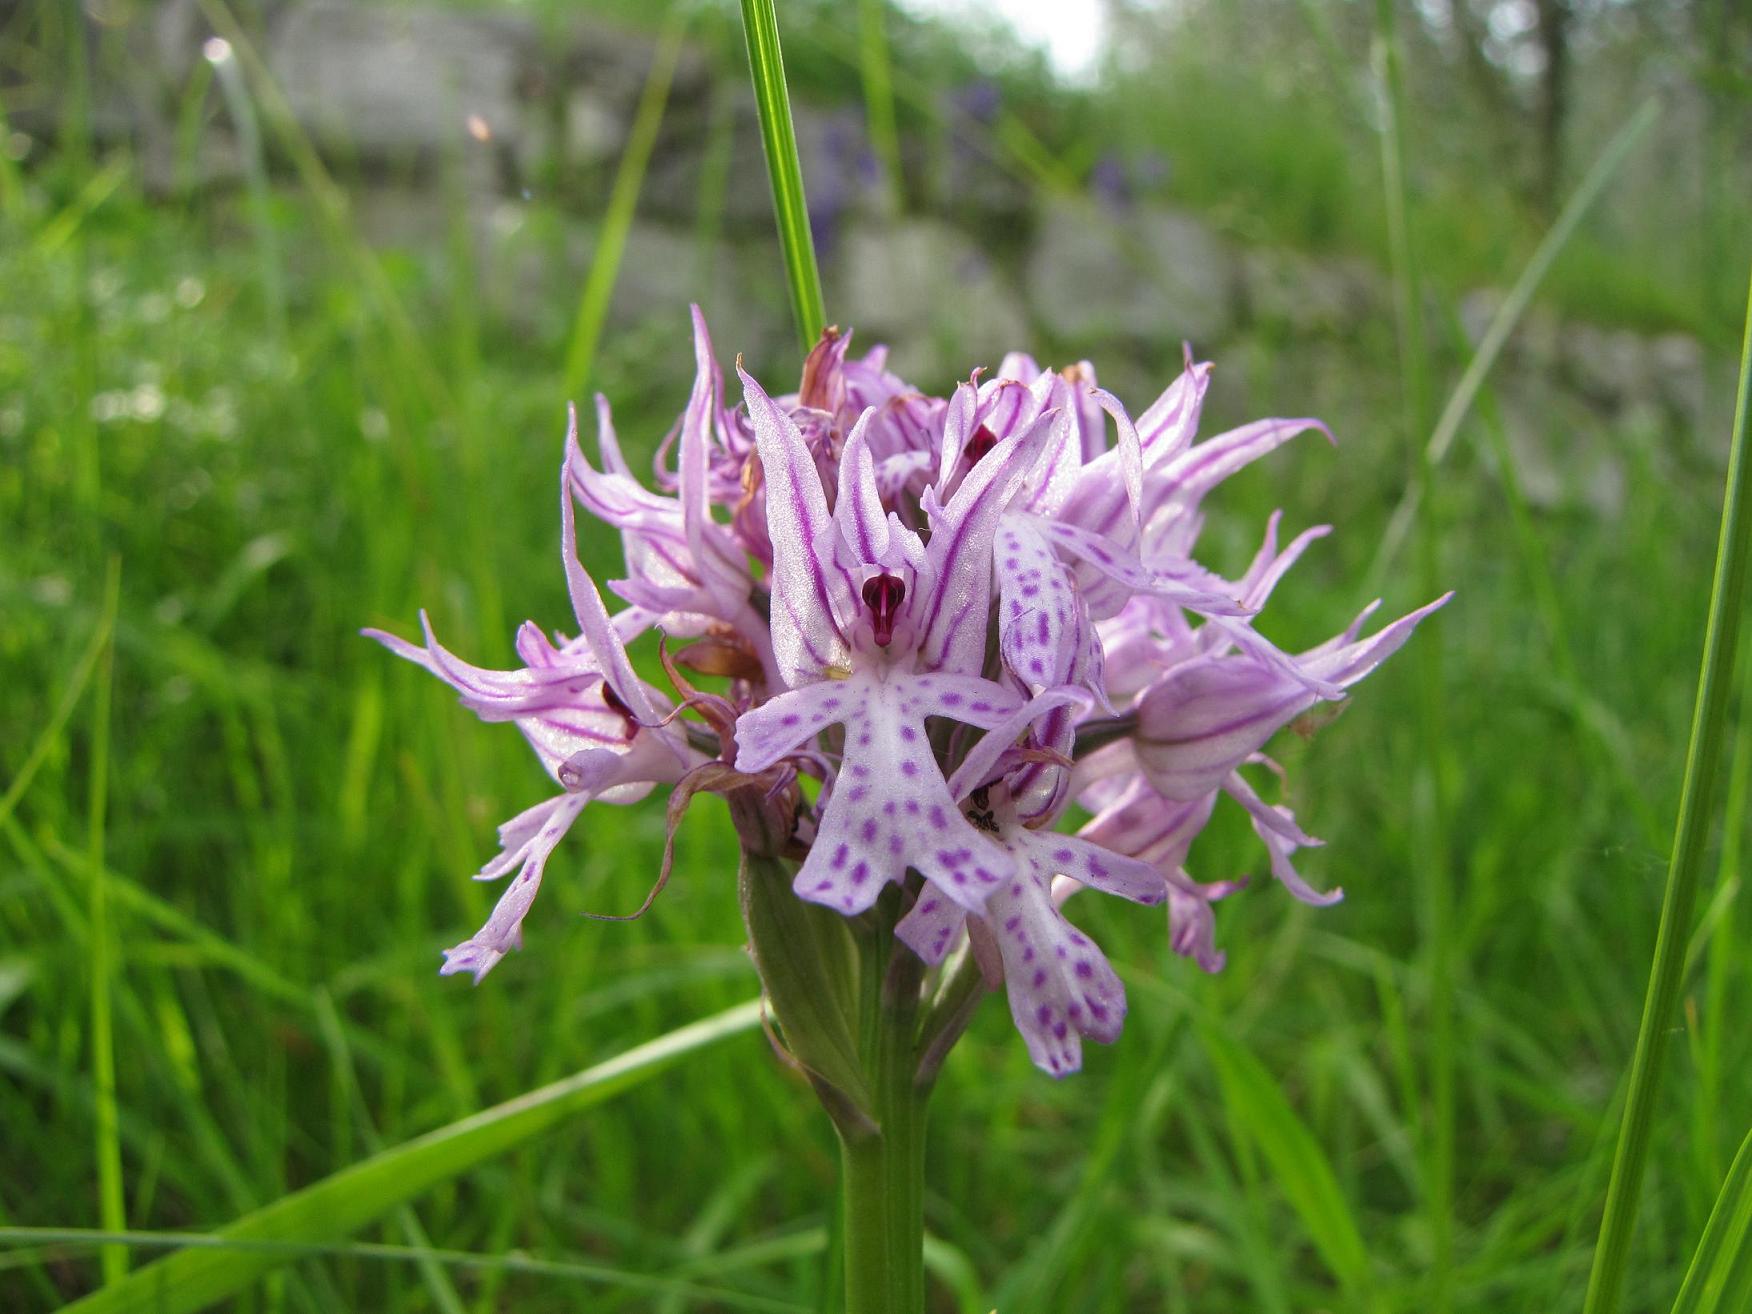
<point>946,621</point>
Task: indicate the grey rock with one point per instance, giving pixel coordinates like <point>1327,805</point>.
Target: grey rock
<point>401,83</point>
<point>927,290</point>
<point>1291,290</point>
<point>1152,273</point>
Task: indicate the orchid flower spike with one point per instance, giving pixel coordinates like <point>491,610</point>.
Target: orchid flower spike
<point>950,618</point>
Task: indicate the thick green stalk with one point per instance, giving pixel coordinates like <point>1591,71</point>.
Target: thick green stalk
<point>884,1166</point>
<point>1702,759</point>
<point>766,64</point>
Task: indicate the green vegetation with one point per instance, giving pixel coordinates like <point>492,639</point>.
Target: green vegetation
<point>233,834</point>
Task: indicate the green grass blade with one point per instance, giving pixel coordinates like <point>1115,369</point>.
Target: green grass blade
<point>1719,1280</point>
<point>1508,315</point>
<point>55,1240</point>
<point>1702,759</point>
<point>95,648</point>
<point>111,1208</point>
<point>879,96</point>
<point>353,1197</point>
<point>1298,1164</point>
<point>766,64</point>
<point>623,201</point>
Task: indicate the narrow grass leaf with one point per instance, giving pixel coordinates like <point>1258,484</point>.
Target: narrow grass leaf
<point>111,1207</point>
<point>95,648</point>
<point>348,1200</point>
<point>1297,1162</point>
<point>623,201</point>
<point>1719,1280</point>
<point>1508,315</point>
<point>57,1239</point>
<point>873,64</point>
<point>1702,760</point>
<point>766,64</point>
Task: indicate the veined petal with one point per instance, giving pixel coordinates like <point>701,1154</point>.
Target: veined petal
<point>696,428</point>
<point>891,809</point>
<point>1059,984</point>
<point>1043,623</point>
<point>503,931</point>
<point>932,925</point>
<point>1195,472</point>
<point>1205,718</point>
<point>809,593</point>
<point>1269,565</point>
<point>593,620</point>
<point>1166,429</point>
<point>1179,582</point>
<point>959,552</point>
<point>858,513</point>
<point>1277,830</point>
<point>783,723</point>
<point>1347,664</point>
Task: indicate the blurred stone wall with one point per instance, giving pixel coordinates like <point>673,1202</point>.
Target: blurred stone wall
<point>425,112</point>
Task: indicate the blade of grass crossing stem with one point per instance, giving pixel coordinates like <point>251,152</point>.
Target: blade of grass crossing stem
<point>437,1281</point>
<point>1508,315</point>
<point>54,1241</point>
<point>879,96</point>
<point>348,1200</point>
<point>623,200</point>
<point>766,64</point>
<point>1702,759</point>
<point>111,1208</point>
<point>1298,1164</point>
<point>1428,792</point>
<point>1720,1277</point>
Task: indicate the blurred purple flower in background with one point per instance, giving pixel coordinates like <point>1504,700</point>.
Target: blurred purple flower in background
<point>956,616</point>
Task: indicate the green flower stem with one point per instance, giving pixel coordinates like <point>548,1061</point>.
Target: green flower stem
<point>766,63</point>
<point>884,1167</point>
<point>1708,728</point>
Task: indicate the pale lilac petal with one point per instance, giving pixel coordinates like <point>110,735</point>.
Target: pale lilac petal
<point>960,550</point>
<point>977,767</point>
<point>1195,472</point>
<point>1269,566</point>
<point>932,925</point>
<point>503,931</point>
<point>1179,582</point>
<point>1346,665</point>
<point>890,810</point>
<point>809,594</point>
<point>593,620</point>
<point>1192,927</point>
<point>1099,868</point>
<point>1204,719</point>
<point>1277,830</point>
<point>1166,429</point>
<point>1060,986</point>
<point>858,511</point>
<point>1043,628</point>
<point>783,723</point>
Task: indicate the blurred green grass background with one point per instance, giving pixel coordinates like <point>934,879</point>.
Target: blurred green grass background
<point>279,432</point>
